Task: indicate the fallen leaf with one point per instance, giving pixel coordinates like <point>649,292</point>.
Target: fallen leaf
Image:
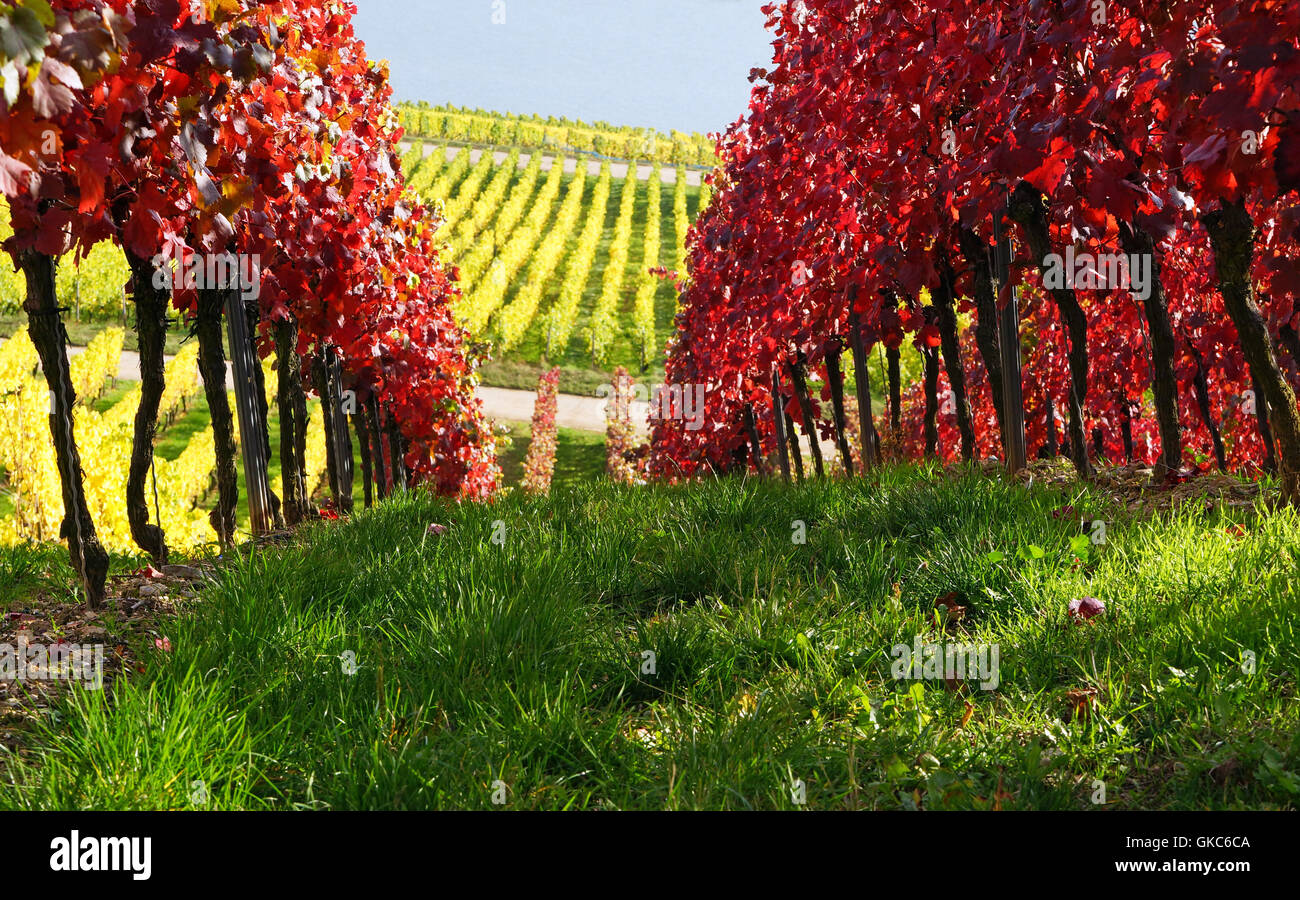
<point>950,608</point>
<point>1085,608</point>
<point>1081,702</point>
<point>967,714</point>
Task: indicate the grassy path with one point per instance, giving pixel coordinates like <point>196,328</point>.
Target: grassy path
<point>681,648</point>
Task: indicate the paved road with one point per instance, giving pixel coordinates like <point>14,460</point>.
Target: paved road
<point>501,404</point>
<point>572,411</point>
<point>668,174</point>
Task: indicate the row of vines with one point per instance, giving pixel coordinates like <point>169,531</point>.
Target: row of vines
<point>912,177</point>
<point>481,127</point>
<point>526,242</point>
<point>179,131</point>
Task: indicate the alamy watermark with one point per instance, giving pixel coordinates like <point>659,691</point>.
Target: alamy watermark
<point>1098,271</point>
<point>102,854</point>
<point>667,402</point>
<point>59,661</point>
<point>946,662</point>
<point>210,271</point>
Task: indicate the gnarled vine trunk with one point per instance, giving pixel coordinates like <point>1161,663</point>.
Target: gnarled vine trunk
<point>1028,208</point>
<point>862,377</point>
<point>252,315</point>
<point>836,379</point>
<point>980,260</point>
<point>290,385</point>
<point>1201,387</point>
<point>299,397</point>
<point>396,453</point>
<point>946,320</point>
<point>778,424</point>
<point>893,358</point>
<point>806,408</point>
<point>151,334</point>
<point>796,454</point>
<point>1164,381</point>
<point>1232,235</point>
<point>212,366</point>
<point>45,325</point>
<point>376,437</point>
<point>363,441</point>
<point>321,381</point>
<point>1126,428</point>
<point>1049,415</point>
<point>342,435</point>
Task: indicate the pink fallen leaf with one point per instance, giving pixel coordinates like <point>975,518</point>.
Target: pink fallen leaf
<point>1086,608</point>
<point>1063,512</point>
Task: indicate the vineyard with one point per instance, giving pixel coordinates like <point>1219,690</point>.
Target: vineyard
<point>452,255</point>
<point>287,227</point>
<point>480,127</point>
<point>555,265</point>
<point>29,471</point>
<point>565,277</point>
<point>950,457</point>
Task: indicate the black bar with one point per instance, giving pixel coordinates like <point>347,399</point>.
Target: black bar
<point>504,848</point>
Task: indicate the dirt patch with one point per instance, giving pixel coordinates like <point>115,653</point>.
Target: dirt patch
<point>1134,488</point>
<point>65,646</point>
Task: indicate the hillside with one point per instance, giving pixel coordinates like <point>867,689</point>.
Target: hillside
<point>486,128</point>
<point>554,254</point>
<point>665,648</point>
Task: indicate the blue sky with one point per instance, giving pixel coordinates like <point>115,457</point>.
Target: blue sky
<point>664,64</point>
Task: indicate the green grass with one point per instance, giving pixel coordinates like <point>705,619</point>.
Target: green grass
<point>113,394</point>
<point>193,420</point>
<point>522,375</point>
<point>579,455</point>
<point>522,662</point>
<point>28,568</point>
